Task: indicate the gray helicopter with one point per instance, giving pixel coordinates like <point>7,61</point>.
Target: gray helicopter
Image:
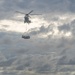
<point>27,20</point>
<point>27,16</point>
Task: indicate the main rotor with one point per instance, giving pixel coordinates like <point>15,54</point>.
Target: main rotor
<point>27,13</point>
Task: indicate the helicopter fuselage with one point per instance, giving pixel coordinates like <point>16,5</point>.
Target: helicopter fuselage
<point>26,19</point>
<point>27,16</point>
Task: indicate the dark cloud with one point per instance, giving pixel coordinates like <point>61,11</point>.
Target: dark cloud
<point>7,63</point>
<point>66,69</point>
<point>43,68</point>
<point>23,66</point>
<point>63,61</point>
<point>72,6</point>
<point>68,27</point>
<point>65,28</point>
<point>71,62</point>
<point>8,73</point>
<point>73,26</point>
<point>41,30</point>
<point>66,61</point>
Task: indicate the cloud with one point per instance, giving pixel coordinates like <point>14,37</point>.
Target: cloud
<point>44,69</point>
<point>62,61</point>
<point>7,63</point>
<point>64,28</point>
<point>9,7</point>
<point>22,55</point>
<point>50,49</point>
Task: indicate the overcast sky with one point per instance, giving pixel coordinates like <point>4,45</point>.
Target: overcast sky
<point>50,49</point>
<point>7,7</point>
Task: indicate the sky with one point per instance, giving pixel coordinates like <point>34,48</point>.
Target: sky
<point>50,49</point>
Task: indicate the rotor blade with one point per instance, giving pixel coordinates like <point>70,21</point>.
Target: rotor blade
<point>20,12</point>
<point>30,11</point>
<point>35,14</point>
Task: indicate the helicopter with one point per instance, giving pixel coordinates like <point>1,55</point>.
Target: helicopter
<point>27,20</point>
<point>27,16</point>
